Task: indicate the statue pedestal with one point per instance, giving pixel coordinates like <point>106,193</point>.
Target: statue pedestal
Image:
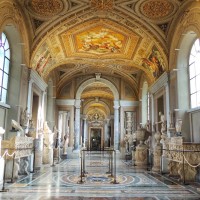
<point>47,155</point>
<point>38,153</point>
<point>1,171</point>
<point>141,156</point>
<point>12,133</point>
<point>164,164</point>
<point>10,171</point>
<point>157,158</point>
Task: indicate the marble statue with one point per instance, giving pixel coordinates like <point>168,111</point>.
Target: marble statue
<point>24,117</point>
<point>16,126</point>
<point>148,126</point>
<point>48,136</point>
<point>178,127</point>
<point>48,145</point>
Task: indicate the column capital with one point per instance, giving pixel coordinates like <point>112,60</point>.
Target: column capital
<point>116,104</point>
<point>116,107</point>
<point>77,103</point>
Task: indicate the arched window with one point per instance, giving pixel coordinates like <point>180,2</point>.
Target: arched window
<point>194,74</point>
<point>4,66</point>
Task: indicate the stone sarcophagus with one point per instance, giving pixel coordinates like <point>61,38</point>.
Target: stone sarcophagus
<point>184,158</point>
<point>19,149</point>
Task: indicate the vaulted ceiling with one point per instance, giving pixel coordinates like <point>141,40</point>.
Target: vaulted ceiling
<point>129,39</point>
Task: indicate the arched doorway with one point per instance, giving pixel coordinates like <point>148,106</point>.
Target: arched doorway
<point>96,114</point>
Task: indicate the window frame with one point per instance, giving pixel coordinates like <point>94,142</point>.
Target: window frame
<point>5,66</point>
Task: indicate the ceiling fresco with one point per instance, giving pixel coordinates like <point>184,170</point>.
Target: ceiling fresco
<point>126,39</point>
<point>99,38</point>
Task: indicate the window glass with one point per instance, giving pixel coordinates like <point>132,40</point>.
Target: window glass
<point>193,101</point>
<point>1,57</point>
<point>198,98</point>
<point>4,66</point>
<point>1,77</point>
<point>192,59</point>
<point>6,46</point>
<point>3,95</point>
<point>194,74</point>
<point>192,70</point>
<point>7,52</point>
<point>197,65</point>
<point>192,86</point>
<point>5,80</point>
<point>3,38</point>
<point>198,83</point>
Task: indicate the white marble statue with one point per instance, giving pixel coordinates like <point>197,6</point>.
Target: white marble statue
<point>48,145</point>
<point>15,125</point>
<point>24,117</point>
<point>48,136</point>
<point>178,126</point>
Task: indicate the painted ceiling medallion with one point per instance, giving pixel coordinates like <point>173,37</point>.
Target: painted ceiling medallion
<point>156,9</point>
<point>100,40</point>
<point>46,8</point>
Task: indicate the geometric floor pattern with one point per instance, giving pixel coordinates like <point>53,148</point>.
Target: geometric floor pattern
<point>62,181</point>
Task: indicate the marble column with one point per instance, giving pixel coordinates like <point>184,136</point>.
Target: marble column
<point>106,134</point>
<point>77,124</point>
<point>2,131</point>
<point>41,122</point>
<point>152,113</point>
<point>85,139</point>
<point>30,84</point>
<point>116,125</point>
<point>167,106</point>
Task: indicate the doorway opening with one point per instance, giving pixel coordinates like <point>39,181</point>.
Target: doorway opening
<point>96,139</point>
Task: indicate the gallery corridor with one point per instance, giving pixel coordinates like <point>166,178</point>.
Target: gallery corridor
<point>62,181</point>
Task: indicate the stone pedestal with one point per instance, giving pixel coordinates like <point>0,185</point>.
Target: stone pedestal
<point>164,164</point>
<point>157,158</point>
<point>56,154</point>
<point>47,155</point>
<point>24,166</point>
<point>12,171</point>
<point>38,153</point>
<point>141,156</point>
<point>12,133</point>
<point>133,157</point>
<point>1,171</point>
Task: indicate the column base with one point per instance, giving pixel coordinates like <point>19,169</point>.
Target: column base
<point>64,156</point>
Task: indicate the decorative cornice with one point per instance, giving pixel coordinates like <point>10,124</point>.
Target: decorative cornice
<point>160,82</point>
<point>65,102</point>
<point>124,103</point>
<point>35,78</point>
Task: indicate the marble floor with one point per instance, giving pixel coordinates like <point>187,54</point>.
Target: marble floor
<point>63,181</point>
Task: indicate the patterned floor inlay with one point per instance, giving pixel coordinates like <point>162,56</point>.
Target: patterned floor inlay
<point>63,182</point>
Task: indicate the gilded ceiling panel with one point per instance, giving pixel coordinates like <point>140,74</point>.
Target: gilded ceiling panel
<point>155,9</point>
<point>43,9</point>
<point>100,38</point>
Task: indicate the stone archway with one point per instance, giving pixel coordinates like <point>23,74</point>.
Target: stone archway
<point>116,108</point>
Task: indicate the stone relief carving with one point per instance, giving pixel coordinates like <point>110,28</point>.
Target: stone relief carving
<point>179,154</point>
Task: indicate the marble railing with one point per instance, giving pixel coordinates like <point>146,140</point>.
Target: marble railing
<point>184,157</point>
